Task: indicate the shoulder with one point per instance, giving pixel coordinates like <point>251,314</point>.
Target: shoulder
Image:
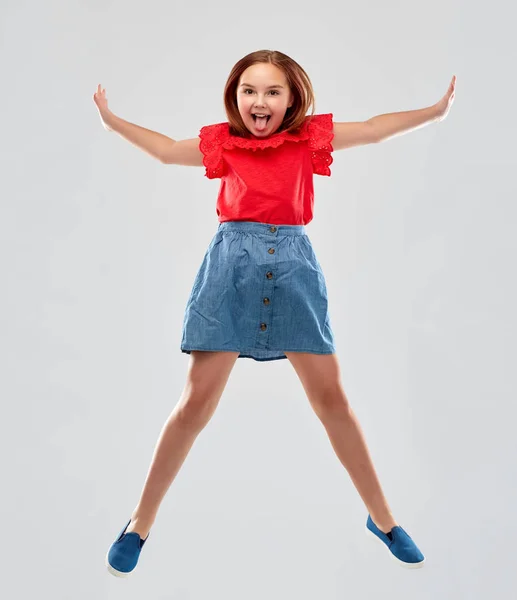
<point>211,141</point>
<point>320,130</point>
<point>215,133</point>
<point>320,127</point>
<point>314,129</point>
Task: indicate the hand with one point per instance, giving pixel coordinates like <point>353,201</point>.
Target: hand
<point>102,105</point>
<point>444,105</point>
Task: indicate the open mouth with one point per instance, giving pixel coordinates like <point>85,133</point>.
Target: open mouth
<point>261,118</point>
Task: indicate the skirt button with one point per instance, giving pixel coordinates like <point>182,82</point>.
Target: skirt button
<point>272,229</point>
<point>269,275</point>
<point>266,300</point>
<point>271,251</point>
<point>263,326</point>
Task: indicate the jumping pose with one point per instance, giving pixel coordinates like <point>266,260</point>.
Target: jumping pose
<point>260,291</point>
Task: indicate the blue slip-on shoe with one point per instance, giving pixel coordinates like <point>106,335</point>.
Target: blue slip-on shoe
<point>124,553</point>
<point>403,549</point>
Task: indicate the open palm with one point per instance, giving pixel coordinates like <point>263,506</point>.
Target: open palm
<point>444,105</point>
<point>102,105</point>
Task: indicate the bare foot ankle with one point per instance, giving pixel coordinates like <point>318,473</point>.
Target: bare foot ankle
<point>385,527</point>
<point>139,527</point>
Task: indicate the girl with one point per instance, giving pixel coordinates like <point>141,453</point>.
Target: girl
<point>260,292</point>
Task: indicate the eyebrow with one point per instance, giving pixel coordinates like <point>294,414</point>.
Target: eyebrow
<point>271,86</point>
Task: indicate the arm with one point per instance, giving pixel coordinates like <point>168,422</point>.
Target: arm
<point>153,143</point>
<point>382,127</point>
<point>395,124</point>
<point>161,147</point>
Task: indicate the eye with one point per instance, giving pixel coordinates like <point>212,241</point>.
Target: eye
<point>276,92</point>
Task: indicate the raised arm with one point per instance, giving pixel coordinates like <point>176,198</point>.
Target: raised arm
<point>157,145</point>
<point>381,127</point>
<point>384,127</point>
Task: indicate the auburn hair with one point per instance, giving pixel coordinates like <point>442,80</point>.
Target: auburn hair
<point>299,83</point>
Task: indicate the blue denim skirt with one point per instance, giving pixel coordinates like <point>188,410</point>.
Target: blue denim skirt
<point>259,291</point>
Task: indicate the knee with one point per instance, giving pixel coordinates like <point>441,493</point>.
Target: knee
<point>331,400</point>
<point>195,410</point>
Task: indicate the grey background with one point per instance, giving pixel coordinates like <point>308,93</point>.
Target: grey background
<point>99,248</point>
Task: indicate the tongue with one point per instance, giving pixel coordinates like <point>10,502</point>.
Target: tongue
<point>260,123</point>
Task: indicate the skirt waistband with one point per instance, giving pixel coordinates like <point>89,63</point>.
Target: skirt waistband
<point>266,228</point>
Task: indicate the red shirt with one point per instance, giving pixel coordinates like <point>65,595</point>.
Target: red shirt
<point>268,180</point>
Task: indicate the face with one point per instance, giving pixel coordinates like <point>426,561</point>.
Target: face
<point>265,92</point>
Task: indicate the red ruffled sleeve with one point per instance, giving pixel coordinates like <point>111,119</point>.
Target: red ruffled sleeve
<point>212,138</point>
<point>321,134</point>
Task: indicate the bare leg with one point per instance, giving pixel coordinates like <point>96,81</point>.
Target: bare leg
<point>206,379</point>
<point>347,439</point>
<point>320,377</point>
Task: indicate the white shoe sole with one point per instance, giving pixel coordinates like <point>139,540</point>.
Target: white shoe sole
<point>114,571</point>
<point>419,565</point>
